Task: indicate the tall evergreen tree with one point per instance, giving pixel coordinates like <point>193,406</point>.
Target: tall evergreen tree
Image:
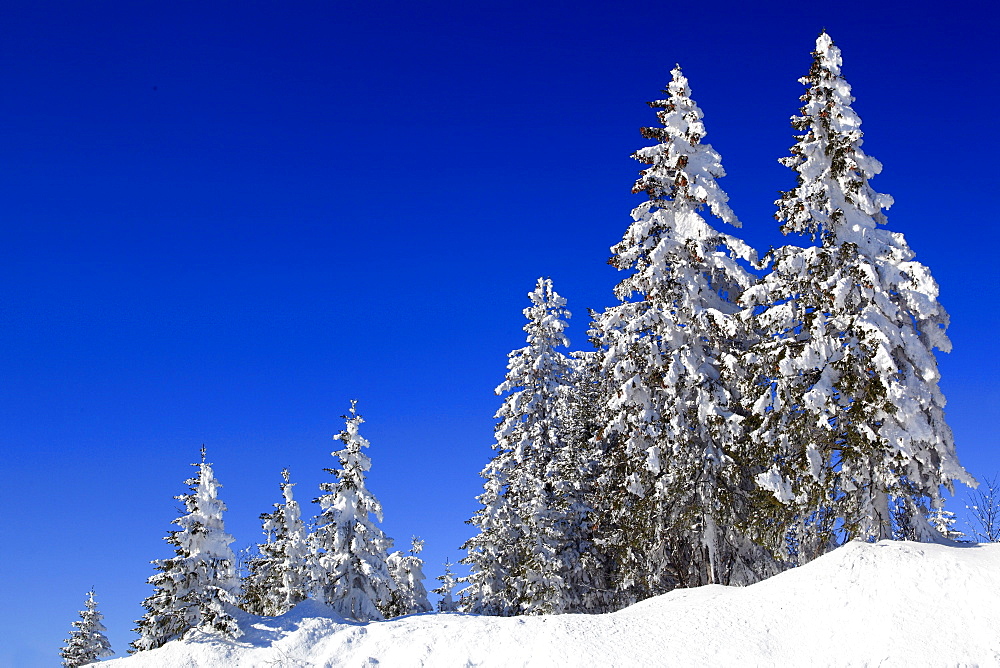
<point>407,570</point>
<point>671,350</point>
<point>197,587</point>
<point>87,642</point>
<point>349,550</point>
<point>279,576</point>
<point>845,399</point>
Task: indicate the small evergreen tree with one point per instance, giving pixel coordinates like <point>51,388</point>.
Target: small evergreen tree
<point>348,570</point>
<point>197,588</point>
<point>527,557</point>
<point>491,557</point>
<point>410,595</point>
<point>944,521</point>
<point>278,577</point>
<point>251,567</point>
<point>847,414</point>
<point>446,590</point>
<point>87,642</point>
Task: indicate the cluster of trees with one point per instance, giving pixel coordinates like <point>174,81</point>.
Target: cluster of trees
<point>738,415</point>
<point>344,561</point>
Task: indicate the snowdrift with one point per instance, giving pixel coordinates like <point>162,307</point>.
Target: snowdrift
<point>882,604</point>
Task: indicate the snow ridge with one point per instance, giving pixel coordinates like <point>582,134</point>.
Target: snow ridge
<point>862,604</point>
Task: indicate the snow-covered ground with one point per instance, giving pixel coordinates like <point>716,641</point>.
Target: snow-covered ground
<point>882,604</point>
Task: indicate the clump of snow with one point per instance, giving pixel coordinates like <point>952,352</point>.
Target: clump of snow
<point>890,603</point>
<point>772,481</point>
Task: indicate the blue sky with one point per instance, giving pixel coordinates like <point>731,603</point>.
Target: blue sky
<point>223,221</point>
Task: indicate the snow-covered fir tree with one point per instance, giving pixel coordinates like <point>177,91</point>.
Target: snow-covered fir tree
<point>253,588</point>
<point>407,570</point>
<point>278,577</point>
<point>348,569</point>
<point>527,556</point>
<point>944,521</point>
<point>490,554</point>
<point>847,414</point>
<point>87,642</point>
<point>676,499</point>
<point>575,473</point>
<point>446,591</point>
<point>197,588</point>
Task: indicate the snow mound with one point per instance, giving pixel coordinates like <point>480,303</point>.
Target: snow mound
<point>885,604</point>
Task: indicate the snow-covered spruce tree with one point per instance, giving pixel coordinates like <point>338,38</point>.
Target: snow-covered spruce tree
<point>410,595</point>
<point>348,569</point>
<point>446,590</point>
<point>497,554</point>
<point>491,556</point>
<point>527,557</point>
<point>250,566</point>
<point>584,420</point>
<point>672,345</point>
<point>575,472</point>
<point>87,642</point>
<point>279,576</point>
<point>944,521</point>
<point>197,588</point>
<point>846,407</point>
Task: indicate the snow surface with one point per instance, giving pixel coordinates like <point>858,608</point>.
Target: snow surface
<point>864,604</point>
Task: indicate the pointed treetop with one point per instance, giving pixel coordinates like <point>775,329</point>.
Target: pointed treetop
<point>832,197</point>
<point>202,453</point>
<point>544,294</point>
<point>682,170</point>
<point>828,54</point>
<point>546,316</point>
<point>91,599</point>
<point>352,421</point>
<point>678,85</point>
<point>353,411</point>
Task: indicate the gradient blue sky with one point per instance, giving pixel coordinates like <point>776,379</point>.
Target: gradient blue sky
<point>223,221</point>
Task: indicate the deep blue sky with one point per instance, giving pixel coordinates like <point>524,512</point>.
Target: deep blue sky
<point>223,221</point>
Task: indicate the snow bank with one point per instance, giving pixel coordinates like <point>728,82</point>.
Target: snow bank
<point>885,604</point>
